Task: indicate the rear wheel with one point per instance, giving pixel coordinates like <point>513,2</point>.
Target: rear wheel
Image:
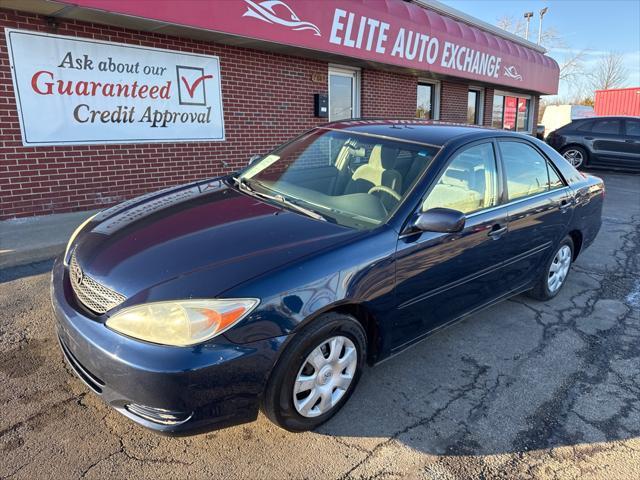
<point>316,374</point>
<point>575,155</point>
<point>555,272</point>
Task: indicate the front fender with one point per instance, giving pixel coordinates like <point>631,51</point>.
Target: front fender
<point>360,273</point>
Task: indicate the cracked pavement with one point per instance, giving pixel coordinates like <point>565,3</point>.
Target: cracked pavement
<point>524,389</point>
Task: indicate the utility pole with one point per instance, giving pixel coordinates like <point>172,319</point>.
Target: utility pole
<point>527,16</point>
<point>542,12</point>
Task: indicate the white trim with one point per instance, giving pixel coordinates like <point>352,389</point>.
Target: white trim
<point>530,120</point>
<point>505,93</point>
<point>351,72</point>
<point>451,12</point>
<point>436,95</point>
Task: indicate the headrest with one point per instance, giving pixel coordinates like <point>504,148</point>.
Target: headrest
<point>383,157</point>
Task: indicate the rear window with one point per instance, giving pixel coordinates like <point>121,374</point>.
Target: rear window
<point>583,126</point>
<point>633,128</point>
<point>606,126</point>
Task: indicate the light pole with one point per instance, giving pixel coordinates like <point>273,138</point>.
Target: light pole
<point>542,12</point>
<point>527,16</point>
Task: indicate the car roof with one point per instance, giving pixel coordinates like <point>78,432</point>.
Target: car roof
<point>420,131</point>
<point>606,117</point>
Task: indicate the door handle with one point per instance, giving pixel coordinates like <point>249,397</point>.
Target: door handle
<point>564,205</point>
<point>630,141</point>
<point>588,138</point>
<point>497,231</point>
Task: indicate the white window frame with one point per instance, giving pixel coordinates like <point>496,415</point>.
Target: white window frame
<point>436,95</point>
<point>351,72</point>
<point>480,112</point>
<point>530,121</point>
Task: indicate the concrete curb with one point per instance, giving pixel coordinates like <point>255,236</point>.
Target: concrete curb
<point>31,256</point>
<point>33,239</point>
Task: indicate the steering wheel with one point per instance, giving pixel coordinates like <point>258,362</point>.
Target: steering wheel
<point>387,190</point>
<point>392,193</point>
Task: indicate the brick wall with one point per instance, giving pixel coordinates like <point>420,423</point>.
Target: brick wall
<point>267,99</point>
<point>453,101</point>
<point>488,107</point>
<point>385,94</point>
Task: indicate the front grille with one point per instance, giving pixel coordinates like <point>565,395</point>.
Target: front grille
<point>91,294</point>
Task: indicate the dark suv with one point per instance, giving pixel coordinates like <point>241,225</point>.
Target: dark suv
<point>600,142</point>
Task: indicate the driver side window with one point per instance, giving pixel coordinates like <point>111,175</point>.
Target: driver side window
<point>469,183</point>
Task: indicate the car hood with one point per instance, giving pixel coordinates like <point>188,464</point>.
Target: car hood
<point>207,227</point>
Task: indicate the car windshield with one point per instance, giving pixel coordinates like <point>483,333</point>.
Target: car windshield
<point>352,179</point>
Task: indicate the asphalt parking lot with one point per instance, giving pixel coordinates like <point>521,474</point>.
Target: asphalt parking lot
<point>522,390</point>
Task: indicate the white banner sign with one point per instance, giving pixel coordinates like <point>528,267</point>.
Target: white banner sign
<point>77,91</point>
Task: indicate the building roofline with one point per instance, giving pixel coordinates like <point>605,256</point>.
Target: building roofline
<point>451,12</point>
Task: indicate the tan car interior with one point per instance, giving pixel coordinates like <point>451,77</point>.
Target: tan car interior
<point>467,185</point>
<point>378,171</point>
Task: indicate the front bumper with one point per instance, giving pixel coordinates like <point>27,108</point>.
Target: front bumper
<point>172,390</point>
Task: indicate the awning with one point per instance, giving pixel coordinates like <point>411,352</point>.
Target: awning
<point>391,32</point>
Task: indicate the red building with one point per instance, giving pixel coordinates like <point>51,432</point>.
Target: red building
<point>620,101</point>
<point>103,100</point>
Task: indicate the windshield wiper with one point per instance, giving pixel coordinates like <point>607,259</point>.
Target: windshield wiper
<point>278,198</point>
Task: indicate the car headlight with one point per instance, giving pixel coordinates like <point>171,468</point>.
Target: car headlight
<point>182,322</point>
<point>74,235</point>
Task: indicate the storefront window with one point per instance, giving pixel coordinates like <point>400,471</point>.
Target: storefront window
<point>509,116</point>
<point>523,115</point>
<point>498,109</point>
<point>511,113</point>
<point>473,107</point>
<point>425,101</point>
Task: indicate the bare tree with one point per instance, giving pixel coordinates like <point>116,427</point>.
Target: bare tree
<point>572,64</point>
<point>610,72</point>
<point>511,25</point>
<point>550,38</point>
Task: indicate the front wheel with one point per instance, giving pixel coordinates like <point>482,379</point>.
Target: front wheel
<point>555,272</point>
<point>316,374</point>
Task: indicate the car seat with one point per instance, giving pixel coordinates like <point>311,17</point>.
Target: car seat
<point>379,171</point>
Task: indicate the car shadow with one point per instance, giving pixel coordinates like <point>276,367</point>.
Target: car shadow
<point>21,271</point>
<point>521,375</point>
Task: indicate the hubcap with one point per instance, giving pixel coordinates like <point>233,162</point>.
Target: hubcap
<point>325,376</point>
<point>559,268</point>
<point>574,157</point>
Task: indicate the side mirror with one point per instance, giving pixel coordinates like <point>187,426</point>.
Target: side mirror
<point>444,220</point>
<point>254,159</point>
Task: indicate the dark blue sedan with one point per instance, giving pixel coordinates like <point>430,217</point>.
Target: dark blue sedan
<point>192,308</point>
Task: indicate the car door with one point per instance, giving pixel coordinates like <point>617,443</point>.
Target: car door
<point>539,207</point>
<point>631,156</point>
<point>607,140</point>
<point>441,276</point>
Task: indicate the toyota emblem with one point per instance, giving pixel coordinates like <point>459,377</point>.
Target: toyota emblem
<point>77,274</point>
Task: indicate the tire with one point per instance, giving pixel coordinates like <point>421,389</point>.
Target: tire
<point>576,156</point>
<point>545,288</point>
<point>279,403</point>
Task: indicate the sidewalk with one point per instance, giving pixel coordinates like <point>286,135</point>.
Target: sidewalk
<point>32,239</point>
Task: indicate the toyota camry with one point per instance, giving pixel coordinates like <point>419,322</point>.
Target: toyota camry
<point>272,288</point>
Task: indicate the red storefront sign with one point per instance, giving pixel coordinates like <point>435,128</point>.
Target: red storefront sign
<point>386,31</point>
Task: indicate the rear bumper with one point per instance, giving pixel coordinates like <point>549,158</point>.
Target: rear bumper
<point>172,390</point>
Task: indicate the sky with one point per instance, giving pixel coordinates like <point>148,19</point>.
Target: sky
<point>599,26</point>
